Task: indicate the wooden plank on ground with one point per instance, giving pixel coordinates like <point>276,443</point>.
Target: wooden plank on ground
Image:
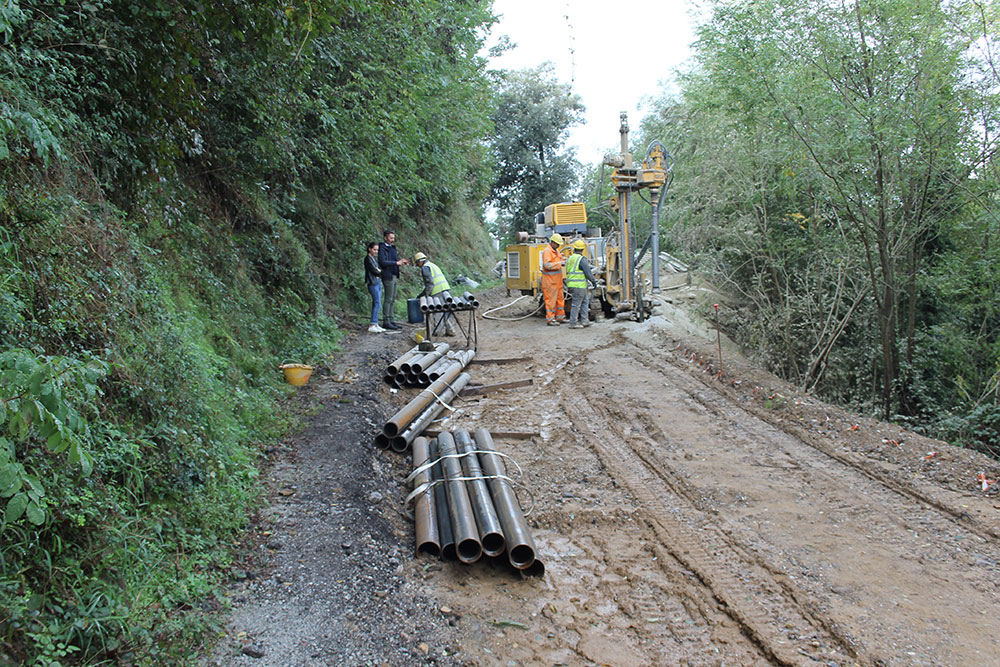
<point>489,388</point>
<point>508,360</point>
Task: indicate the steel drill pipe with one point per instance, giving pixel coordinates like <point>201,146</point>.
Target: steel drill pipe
<point>409,412</point>
<point>436,366</point>
<point>417,426</point>
<point>423,304</point>
<point>520,546</point>
<point>382,441</point>
<point>463,357</point>
<point>470,297</point>
<point>536,569</point>
<point>490,531</point>
<point>463,520</point>
<point>447,535</point>
<point>435,375</point>
<point>408,365</point>
<point>424,506</point>
<point>419,365</point>
<point>393,368</point>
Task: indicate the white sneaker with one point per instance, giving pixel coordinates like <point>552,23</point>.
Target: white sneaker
<point>375,329</point>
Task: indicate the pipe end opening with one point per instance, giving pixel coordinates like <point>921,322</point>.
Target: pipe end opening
<point>521,556</point>
<point>429,548</point>
<point>469,551</point>
<point>493,544</point>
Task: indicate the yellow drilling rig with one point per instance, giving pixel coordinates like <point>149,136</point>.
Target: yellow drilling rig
<point>614,258</point>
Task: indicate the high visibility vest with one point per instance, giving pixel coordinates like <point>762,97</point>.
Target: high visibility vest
<point>574,274</point>
<point>437,277</point>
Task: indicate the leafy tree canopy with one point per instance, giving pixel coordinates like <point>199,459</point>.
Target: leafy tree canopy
<point>532,114</point>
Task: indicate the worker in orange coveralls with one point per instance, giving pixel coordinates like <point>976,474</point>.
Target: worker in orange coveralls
<point>552,281</point>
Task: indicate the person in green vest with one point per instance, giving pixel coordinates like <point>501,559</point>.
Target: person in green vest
<point>435,284</point>
<point>578,274</point>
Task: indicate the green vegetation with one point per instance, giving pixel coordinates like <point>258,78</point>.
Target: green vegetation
<point>837,173</point>
<point>532,116</point>
<point>185,190</point>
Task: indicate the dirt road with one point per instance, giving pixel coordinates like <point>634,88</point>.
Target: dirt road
<point>691,517</point>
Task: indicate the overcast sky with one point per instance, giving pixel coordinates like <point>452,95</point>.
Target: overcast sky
<point>616,55</point>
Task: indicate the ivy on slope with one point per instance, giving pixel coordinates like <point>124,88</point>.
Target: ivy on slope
<point>184,187</point>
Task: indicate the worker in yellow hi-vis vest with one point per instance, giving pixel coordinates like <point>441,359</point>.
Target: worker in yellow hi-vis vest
<point>578,274</point>
<point>435,284</point>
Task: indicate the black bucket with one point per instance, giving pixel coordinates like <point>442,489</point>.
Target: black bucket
<point>413,314</point>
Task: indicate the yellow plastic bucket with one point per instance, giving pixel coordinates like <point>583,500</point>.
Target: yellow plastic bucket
<point>296,374</point>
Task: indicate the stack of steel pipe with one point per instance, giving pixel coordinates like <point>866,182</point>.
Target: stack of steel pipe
<point>464,505</point>
<point>422,372</point>
<point>405,370</point>
<point>410,421</point>
<point>438,304</point>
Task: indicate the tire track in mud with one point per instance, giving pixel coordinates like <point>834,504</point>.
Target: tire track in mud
<point>716,398</point>
<point>768,610</point>
<point>650,613</point>
<point>841,487</point>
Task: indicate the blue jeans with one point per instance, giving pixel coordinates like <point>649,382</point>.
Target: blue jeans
<point>376,292</point>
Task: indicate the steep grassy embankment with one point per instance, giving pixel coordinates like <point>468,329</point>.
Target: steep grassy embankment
<point>184,197</point>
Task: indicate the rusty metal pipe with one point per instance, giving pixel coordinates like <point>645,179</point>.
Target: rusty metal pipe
<point>417,426</point>
<point>463,521</point>
<point>445,532</point>
<point>393,368</point>
<point>424,506</point>
<point>411,410</point>
<point>382,441</point>
<point>520,546</point>
<point>490,531</point>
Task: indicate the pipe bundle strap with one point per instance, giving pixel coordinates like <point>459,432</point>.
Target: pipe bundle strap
<point>419,469</point>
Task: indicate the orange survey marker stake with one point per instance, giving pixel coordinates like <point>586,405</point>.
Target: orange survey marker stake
<point>985,483</point>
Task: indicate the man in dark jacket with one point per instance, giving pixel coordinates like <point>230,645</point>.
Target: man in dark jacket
<point>389,261</point>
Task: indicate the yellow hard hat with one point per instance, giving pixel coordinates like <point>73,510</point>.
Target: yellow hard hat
<point>419,256</point>
<point>579,244</point>
<point>556,238</point>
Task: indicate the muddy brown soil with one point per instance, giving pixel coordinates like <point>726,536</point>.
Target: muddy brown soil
<point>688,513</point>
